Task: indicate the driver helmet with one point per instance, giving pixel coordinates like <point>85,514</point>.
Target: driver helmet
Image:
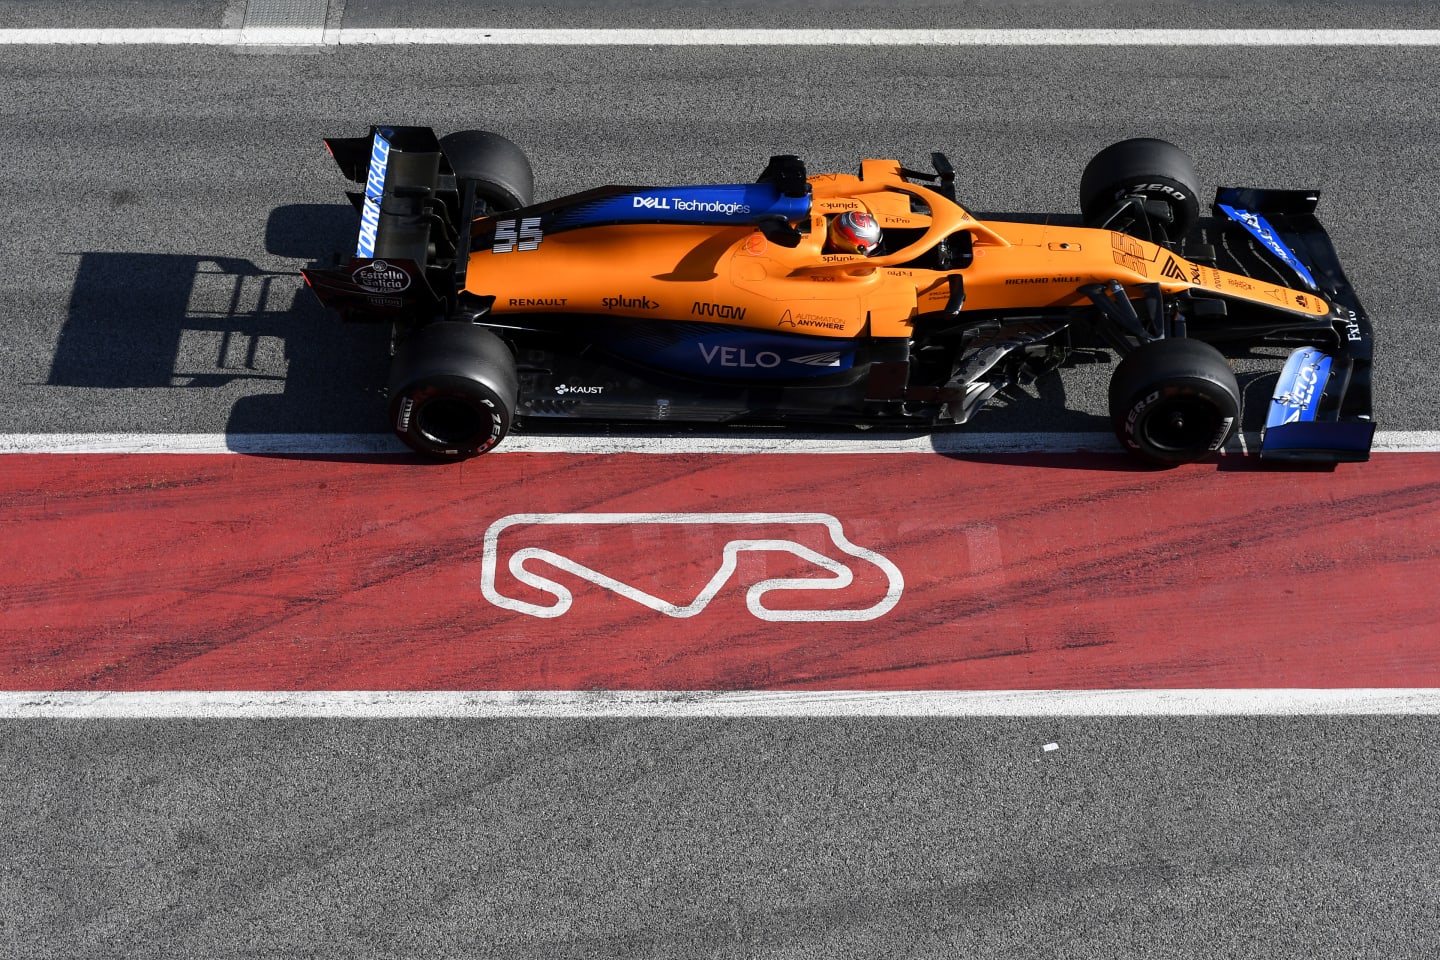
<point>854,232</point>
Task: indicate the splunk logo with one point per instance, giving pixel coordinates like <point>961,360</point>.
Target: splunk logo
<point>740,536</point>
<point>622,302</point>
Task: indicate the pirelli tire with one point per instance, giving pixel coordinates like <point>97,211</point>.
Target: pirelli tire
<point>500,170</point>
<point>1154,169</point>
<point>1174,401</point>
<point>453,388</point>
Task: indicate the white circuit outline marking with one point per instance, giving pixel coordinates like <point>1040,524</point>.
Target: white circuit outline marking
<point>840,577</point>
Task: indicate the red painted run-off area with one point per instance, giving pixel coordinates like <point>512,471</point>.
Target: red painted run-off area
<point>1042,572</point>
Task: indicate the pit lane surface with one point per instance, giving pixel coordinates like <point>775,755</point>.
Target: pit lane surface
<point>138,300</point>
<point>185,573</point>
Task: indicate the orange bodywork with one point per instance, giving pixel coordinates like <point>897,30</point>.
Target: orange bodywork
<point>735,275</point>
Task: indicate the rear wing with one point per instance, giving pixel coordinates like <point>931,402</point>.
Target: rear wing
<point>407,246</point>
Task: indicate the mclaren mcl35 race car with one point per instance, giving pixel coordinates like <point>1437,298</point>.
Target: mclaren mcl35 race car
<point>739,302</point>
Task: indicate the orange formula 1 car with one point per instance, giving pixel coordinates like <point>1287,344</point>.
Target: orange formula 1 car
<point>832,298</point>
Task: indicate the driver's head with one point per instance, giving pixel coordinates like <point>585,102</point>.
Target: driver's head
<point>854,232</point>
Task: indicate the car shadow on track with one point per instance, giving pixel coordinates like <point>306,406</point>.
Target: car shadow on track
<point>211,323</point>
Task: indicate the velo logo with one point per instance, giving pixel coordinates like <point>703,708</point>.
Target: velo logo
<point>837,575</point>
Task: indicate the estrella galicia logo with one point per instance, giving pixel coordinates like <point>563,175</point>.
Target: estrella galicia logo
<point>381,277</point>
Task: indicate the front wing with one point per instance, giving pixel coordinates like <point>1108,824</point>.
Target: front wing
<point>1321,408</point>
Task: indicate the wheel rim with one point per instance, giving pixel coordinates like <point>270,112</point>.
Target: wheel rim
<point>1183,424</point>
<point>451,421</point>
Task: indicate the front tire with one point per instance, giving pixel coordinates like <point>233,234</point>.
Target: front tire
<point>1154,169</point>
<point>453,388</point>
<point>1174,401</point>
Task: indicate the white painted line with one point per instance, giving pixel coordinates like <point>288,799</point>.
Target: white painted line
<point>372,444</point>
<point>745,37</point>
<point>956,443</point>
<point>895,37</point>
<point>1406,441</point>
<point>278,444</point>
<point>671,704</point>
<point>127,36</point>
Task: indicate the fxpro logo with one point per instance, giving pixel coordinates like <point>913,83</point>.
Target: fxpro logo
<point>837,573</point>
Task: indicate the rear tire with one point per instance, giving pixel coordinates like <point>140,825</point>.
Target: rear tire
<point>501,171</point>
<point>1155,169</point>
<point>453,388</point>
<point>1174,401</point>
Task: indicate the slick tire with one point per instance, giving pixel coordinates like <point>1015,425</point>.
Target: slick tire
<point>1174,401</point>
<point>500,170</point>
<point>1155,169</point>
<point>453,390</point>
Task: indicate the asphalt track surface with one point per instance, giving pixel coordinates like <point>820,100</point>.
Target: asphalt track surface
<point>158,202</point>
